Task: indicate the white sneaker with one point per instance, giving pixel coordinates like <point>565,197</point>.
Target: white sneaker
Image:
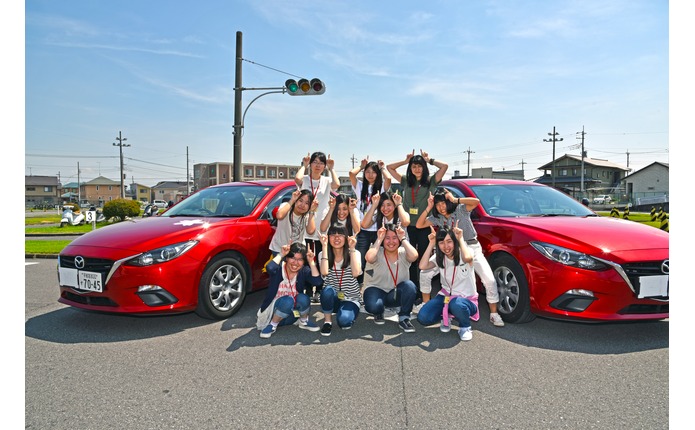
<point>496,320</point>
<point>444,328</point>
<point>417,308</point>
<point>466,333</point>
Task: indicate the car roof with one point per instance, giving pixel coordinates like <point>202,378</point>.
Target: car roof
<point>488,181</point>
<point>261,183</point>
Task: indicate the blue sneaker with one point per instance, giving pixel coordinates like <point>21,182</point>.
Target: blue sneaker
<point>268,331</point>
<point>307,325</point>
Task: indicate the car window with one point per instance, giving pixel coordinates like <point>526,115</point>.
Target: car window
<point>284,196</point>
<point>527,200</point>
<point>224,201</point>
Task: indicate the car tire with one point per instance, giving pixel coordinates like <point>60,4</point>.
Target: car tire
<point>515,302</point>
<point>222,288</point>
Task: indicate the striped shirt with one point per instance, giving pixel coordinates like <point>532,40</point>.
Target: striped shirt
<point>342,280</point>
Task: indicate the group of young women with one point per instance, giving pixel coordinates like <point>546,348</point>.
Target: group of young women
<point>376,251</point>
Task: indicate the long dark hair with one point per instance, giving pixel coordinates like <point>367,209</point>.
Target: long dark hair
<point>386,195</point>
<point>365,199</point>
<point>340,199</point>
<point>296,248</point>
<point>302,194</point>
<point>411,179</point>
<point>391,227</point>
<point>440,196</point>
<point>338,229</point>
<point>441,234</point>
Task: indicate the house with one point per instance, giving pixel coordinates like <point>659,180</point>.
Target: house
<point>648,186</point>
<point>139,192</point>
<point>99,191</point>
<point>174,191</point>
<point>41,190</point>
<point>70,192</point>
<point>600,176</point>
<point>487,172</point>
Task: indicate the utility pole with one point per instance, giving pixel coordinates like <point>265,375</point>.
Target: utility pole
<point>468,174</point>
<point>581,186</point>
<point>120,145</point>
<point>554,139</point>
<point>79,186</point>
<point>353,159</point>
<point>237,110</point>
<point>522,168</point>
<point>628,160</point>
<point>188,182</point>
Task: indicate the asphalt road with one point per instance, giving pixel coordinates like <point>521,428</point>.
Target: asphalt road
<point>87,370</point>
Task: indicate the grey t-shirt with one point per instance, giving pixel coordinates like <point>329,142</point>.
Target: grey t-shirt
<point>460,218</point>
<point>381,273</point>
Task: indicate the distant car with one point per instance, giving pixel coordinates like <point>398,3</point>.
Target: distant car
<point>160,204</point>
<point>203,254</point>
<point>602,199</point>
<point>554,257</point>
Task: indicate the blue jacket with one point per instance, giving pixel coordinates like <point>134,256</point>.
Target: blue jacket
<point>275,272</point>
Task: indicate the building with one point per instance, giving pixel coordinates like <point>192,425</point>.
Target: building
<point>208,174</point>
<point>487,172</point>
<point>70,193</point>
<point>600,176</point>
<point>99,191</point>
<point>648,186</point>
<point>174,191</point>
<point>41,191</point>
<point>141,193</point>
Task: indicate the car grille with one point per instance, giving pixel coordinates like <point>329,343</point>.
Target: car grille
<point>644,309</point>
<point>88,300</point>
<point>650,268</point>
<point>100,265</point>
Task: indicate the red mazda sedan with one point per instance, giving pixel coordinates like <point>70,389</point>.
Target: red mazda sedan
<point>554,257</point>
<point>204,255</point>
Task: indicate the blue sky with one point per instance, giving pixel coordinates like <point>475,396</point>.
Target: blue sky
<point>492,77</point>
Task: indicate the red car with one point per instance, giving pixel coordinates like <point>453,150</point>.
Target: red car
<point>204,255</point>
<point>554,257</point>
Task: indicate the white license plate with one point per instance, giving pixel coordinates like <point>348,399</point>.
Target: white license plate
<point>80,279</point>
<point>653,286</point>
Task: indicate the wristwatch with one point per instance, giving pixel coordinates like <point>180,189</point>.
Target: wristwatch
<point>432,161</point>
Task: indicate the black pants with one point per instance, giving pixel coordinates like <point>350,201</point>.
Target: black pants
<point>315,245</point>
<point>420,240</point>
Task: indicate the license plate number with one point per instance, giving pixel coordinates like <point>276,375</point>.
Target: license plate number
<point>653,286</point>
<point>80,279</point>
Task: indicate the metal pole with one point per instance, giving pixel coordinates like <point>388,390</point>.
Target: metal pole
<point>120,145</point>
<point>237,109</point>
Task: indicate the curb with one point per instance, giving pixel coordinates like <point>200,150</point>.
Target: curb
<point>34,256</point>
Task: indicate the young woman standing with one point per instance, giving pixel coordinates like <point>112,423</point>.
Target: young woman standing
<point>296,219</point>
<point>310,176</point>
<point>375,180</point>
<point>417,185</point>
<point>340,265</point>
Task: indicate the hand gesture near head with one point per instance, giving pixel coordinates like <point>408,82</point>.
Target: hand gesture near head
<point>285,249</point>
<point>352,242</point>
<point>430,202</point>
<point>458,233</point>
<point>331,202</point>
<point>306,160</point>
<point>381,233</point>
<point>324,242</point>
<point>314,205</point>
<point>432,236</point>
<point>381,164</point>
<point>310,252</point>
<point>295,195</point>
<point>375,199</point>
<point>425,156</point>
<point>330,162</point>
<point>400,233</point>
<point>409,156</point>
<point>397,199</point>
<point>449,196</point>
<point>364,162</point>
<point>353,204</point>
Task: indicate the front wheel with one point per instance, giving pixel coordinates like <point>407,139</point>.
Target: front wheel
<point>515,302</point>
<point>222,288</point>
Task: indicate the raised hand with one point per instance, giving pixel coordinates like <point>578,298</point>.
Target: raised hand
<point>375,199</point>
<point>353,204</point>
<point>364,162</point>
<point>409,156</point>
<point>397,199</point>
<point>306,159</point>
<point>430,201</point>
<point>310,252</point>
<point>330,162</point>
<point>352,241</point>
<point>285,249</point>
<point>433,235</point>
<point>458,233</point>
<point>381,233</point>
<point>324,240</point>
<point>314,205</point>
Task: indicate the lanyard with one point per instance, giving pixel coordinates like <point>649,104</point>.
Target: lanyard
<point>311,183</point>
<point>453,275</point>
<point>342,273</point>
<point>388,264</point>
<point>413,192</point>
<point>293,287</point>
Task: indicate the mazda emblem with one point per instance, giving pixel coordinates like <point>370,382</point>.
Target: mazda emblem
<point>664,267</point>
<point>79,262</point>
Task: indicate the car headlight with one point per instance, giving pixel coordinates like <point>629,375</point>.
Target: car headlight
<point>161,255</point>
<point>569,257</point>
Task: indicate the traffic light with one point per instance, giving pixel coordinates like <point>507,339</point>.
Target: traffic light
<point>305,87</point>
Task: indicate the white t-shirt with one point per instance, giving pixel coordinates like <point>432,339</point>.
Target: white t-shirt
<point>321,189</point>
<point>289,232</point>
<point>363,208</point>
<point>457,280</point>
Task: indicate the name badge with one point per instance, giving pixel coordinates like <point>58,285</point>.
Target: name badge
<point>413,211</point>
<point>296,313</point>
<point>341,295</point>
<point>446,299</point>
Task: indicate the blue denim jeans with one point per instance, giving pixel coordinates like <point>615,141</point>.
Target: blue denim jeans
<point>345,311</point>
<point>364,241</point>
<point>376,299</point>
<point>460,307</point>
<point>285,306</point>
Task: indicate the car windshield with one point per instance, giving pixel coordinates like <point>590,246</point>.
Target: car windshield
<point>527,200</point>
<point>224,201</point>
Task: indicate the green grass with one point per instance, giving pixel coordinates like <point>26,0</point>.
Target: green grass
<point>45,246</point>
<point>68,229</point>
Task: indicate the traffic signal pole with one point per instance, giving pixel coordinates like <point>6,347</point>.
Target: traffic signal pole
<point>237,109</point>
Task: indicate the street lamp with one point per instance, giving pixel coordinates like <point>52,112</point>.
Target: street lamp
<point>120,145</point>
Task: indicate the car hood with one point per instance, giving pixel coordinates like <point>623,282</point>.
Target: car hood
<point>144,234</point>
<point>602,233</point>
